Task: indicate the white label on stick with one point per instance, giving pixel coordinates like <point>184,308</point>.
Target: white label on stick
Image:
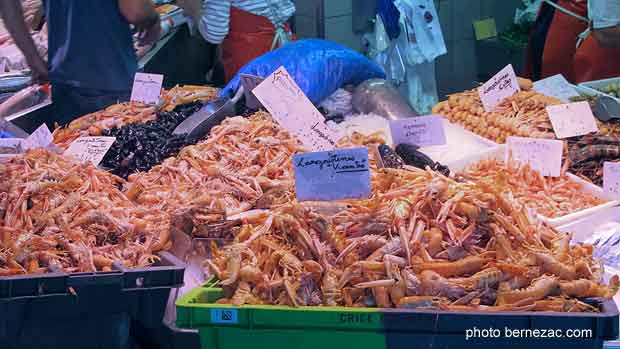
<point>147,88</point>
<point>90,149</point>
<point>501,86</point>
<point>572,119</point>
<point>290,107</point>
<point>542,155</point>
<point>611,179</point>
<point>40,138</point>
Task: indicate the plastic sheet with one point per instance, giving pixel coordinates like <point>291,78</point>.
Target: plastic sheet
<point>319,67</point>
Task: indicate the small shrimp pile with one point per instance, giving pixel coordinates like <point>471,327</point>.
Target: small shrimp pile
<point>244,162</point>
<point>523,115</point>
<point>180,95</point>
<point>422,241</point>
<point>551,197</point>
<point>57,215</point>
<point>93,124</point>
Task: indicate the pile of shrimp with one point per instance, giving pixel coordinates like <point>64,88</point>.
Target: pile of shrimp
<point>523,114</point>
<point>58,215</point>
<point>242,164</point>
<point>551,197</point>
<point>121,114</point>
<point>186,94</point>
<point>421,241</point>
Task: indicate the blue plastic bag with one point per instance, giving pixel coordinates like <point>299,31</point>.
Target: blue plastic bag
<point>4,134</point>
<point>319,67</point>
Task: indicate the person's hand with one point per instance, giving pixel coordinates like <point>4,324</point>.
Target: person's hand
<point>151,35</point>
<point>40,74</point>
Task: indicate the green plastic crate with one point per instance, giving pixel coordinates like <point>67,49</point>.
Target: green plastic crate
<point>223,326</point>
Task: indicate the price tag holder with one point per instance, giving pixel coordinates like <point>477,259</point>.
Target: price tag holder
<point>90,149</point>
<point>611,179</point>
<point>147,88</point>
<point>543,155</point>
<point>556,86</point>
<point>501,86</point>
<point>421,131</point>
<point>40,138</point>
<point>292,109</point>
<point>572,119</point>
<point>249,83</point>
<point>332,175</point>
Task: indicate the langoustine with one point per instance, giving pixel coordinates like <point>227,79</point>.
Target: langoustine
<point>60,215</point>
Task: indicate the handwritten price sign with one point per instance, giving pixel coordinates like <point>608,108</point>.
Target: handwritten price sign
<point>422,131</point>
<point>147,88</point>
<point>501,86</point>
<point>40,138</point>
<point>332,175</point>
<point>90,149</point>
<point>543,155</point>
<point>611,178</point>
<point>572,119</point>
<point>292,109</point>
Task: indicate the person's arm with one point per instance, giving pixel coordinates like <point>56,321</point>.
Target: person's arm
<point>215,20</point>
<point>140,13</point>
<point>13,17</point>
<point>605,17</point>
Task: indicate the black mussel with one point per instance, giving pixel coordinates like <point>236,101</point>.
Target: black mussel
<point>389,157</point>
<point>413,157</point>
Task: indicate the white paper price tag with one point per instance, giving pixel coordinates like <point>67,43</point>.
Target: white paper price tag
<point>290,107</point>
<point>611,179</point>
<point>90,149</point>
<point>40,138</point>
<point>573,119</point>
<point>542,155</point>
<point>501,86</point>
<point>147,88</point>
<point>422,131</point>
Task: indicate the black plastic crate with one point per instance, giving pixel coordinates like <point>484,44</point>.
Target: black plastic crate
<point>448,329</point>
<point>85,310</point>
<point>148,289</point>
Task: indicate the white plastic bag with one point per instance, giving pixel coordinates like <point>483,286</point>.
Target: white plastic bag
<point>421,29</point>
<point>422,86</point>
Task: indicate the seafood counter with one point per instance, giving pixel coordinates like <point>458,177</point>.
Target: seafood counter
<point>433,236</point>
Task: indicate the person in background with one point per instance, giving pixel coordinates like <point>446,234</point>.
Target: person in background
<point>245,29</point>
<point>576,38</point>
<point>91,57</point>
